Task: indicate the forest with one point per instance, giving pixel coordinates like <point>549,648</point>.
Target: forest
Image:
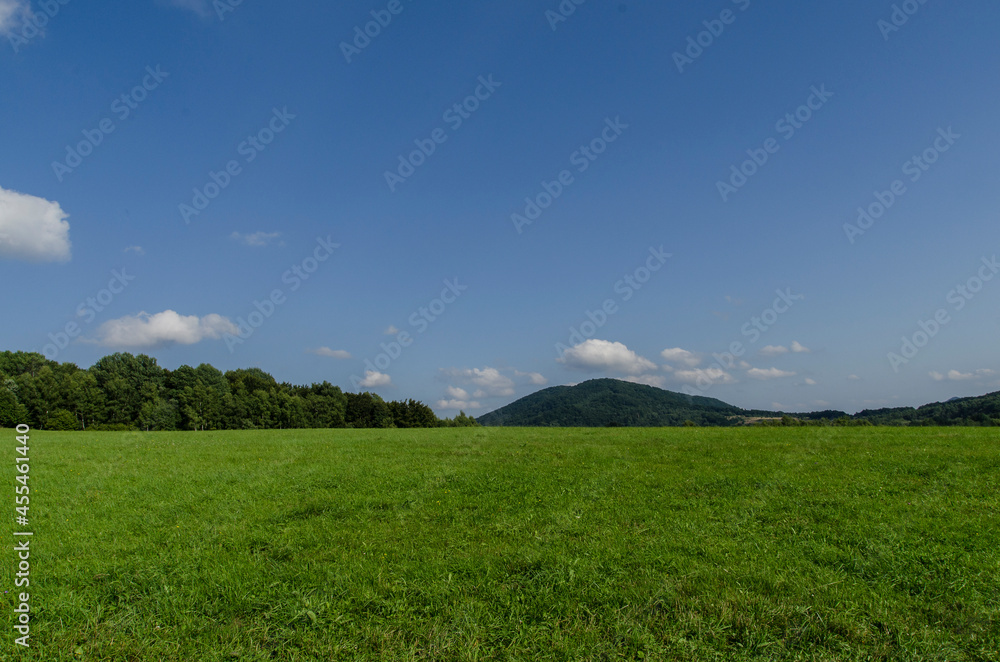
<point>126,392</point>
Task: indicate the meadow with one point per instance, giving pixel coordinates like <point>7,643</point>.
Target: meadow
<point>511,544</point>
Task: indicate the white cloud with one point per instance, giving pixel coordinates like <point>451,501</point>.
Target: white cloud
<point>10,12</point>
<point>704,376</point>
<point>778,350</point>
<point>457,393</point>
<point>391,330</point>
<point>134,249</point>
<point>678,355</point>
<point>490,381</point>
<point>956,376</point>
<point>810,381</point>
<point>535,378</point>
<point>166,328</point>
<point>597,355</point>
<point>458,399</point>
<point>32,229</point>
<point>853,378</point>
<point>330,353</point>
<point>649,380</point>
<point>375,379</point>
<point>257,239</point>
<point>770,373</point>
<point>458,404</point>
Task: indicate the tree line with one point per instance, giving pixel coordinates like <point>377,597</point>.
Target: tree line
<point>978,411</point>
<point>126,392</point>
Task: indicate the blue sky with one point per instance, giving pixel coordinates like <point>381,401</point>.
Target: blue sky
<point>610,116</point>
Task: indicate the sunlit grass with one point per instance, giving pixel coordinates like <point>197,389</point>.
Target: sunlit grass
<point>513,544</point>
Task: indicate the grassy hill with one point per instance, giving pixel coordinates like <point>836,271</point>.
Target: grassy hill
<point>612,403</point>
<point>491,544</point>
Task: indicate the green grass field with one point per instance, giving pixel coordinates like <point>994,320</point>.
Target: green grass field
<point>511,544</point>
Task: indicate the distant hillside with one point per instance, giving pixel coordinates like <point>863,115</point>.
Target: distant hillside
<point>977,411</point>
<point>614,403</point>
<point>611,402</point>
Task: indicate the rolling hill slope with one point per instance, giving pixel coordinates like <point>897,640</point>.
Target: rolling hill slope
<point>611,402</point>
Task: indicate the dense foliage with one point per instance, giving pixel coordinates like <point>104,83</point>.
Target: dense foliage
<point>983,410</point>
<point>980,411</point>
<point>127,392</point>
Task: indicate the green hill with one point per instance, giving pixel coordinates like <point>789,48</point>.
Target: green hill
<point>611,402</point>
<point>983,410</point>
<point>614,403</point>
